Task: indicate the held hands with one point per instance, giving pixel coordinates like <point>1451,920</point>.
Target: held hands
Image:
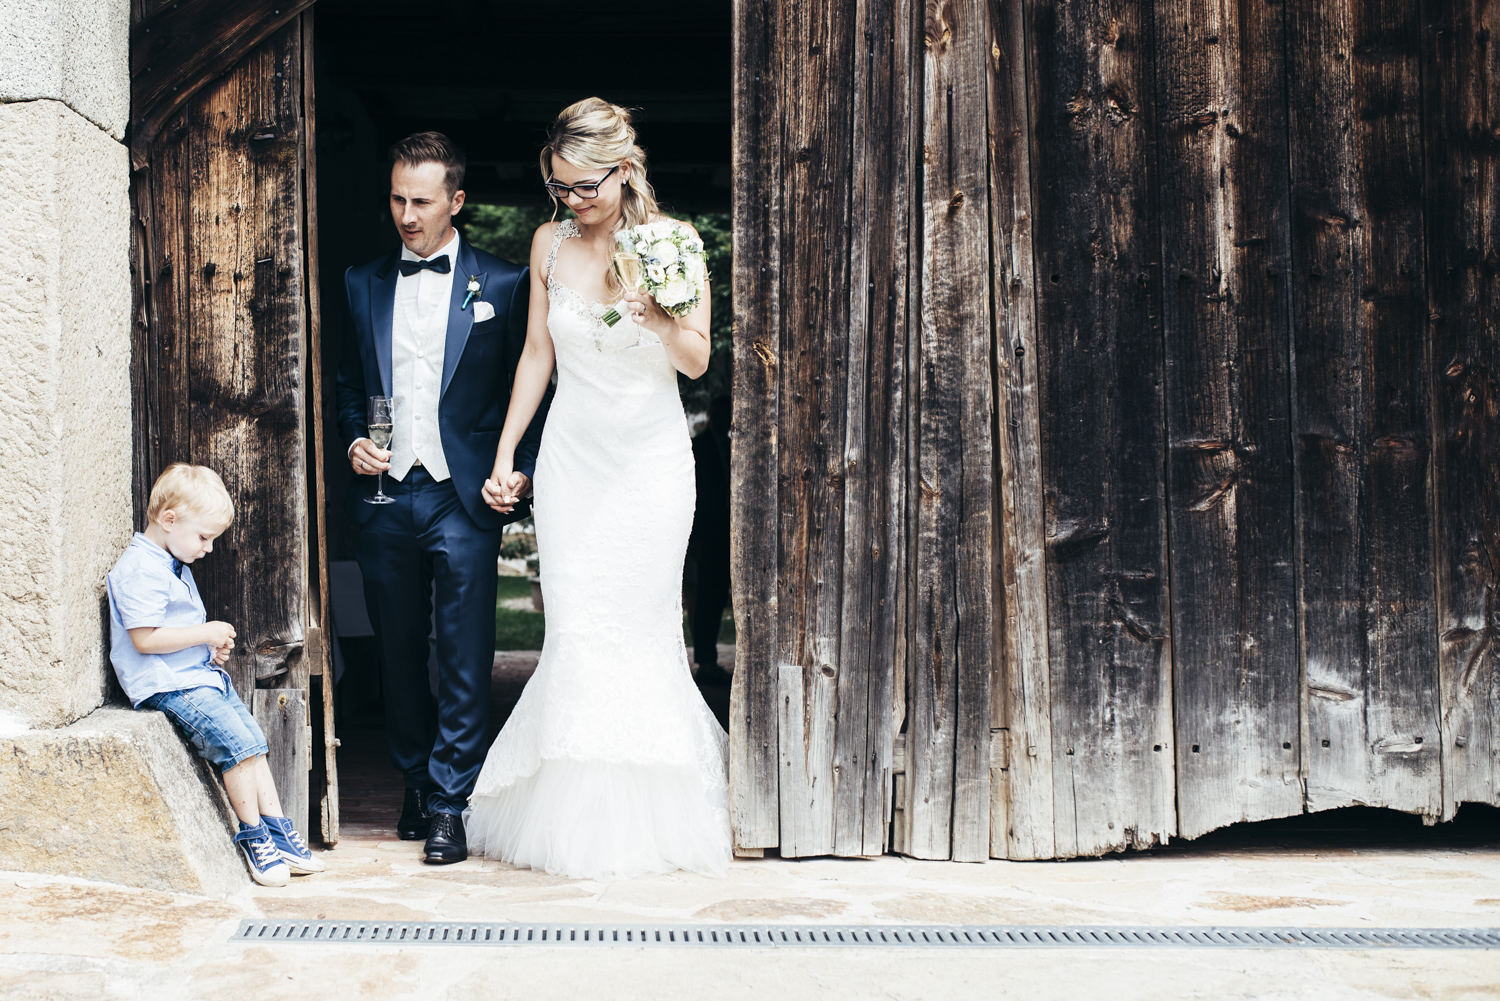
<point>367,460</point>
<point>505,488</point>
<point>220,638</point>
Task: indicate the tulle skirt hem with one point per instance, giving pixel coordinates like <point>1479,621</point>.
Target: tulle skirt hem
<point>603,820</point>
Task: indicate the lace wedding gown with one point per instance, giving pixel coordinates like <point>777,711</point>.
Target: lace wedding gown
<point>610,765</point>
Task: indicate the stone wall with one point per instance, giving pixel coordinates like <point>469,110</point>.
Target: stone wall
<point>73,51</point>
<point>65,306</point>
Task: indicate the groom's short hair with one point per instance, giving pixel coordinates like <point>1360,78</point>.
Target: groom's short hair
<point>432,147</point>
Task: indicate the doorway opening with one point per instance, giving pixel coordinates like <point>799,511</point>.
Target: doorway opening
<point>492,77</point>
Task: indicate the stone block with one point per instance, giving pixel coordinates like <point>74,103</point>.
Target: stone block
<point>73,51</point>
<point>65,407</point>
<point>119,797</point>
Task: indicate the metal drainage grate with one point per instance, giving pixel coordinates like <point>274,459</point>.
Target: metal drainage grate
<point>865,936</point>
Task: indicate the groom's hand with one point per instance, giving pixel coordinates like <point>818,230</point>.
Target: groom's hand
<point>367,460</point>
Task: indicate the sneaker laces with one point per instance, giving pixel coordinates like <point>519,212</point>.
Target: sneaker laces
<point>295,840</point>
<point>265,852</point>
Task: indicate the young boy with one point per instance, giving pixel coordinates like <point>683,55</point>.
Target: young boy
<point>167,656</point>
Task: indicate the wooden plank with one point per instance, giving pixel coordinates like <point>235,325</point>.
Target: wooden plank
<point>1225,245</point>
<point>883,158</point>
<point>1020,698</point>
<point>320,624</point>
<point>948,728</point>
<point>176,50</point>
<point>813,410</point>
<point>799,835</point>
<point>753,754</point>
<point>159,380</point>
<point>1460,78</point>
<point>245,358</point>
<point>1096,247</point>
<point>143,364</point>
<point>282,715</point>
<point>1362,397</point>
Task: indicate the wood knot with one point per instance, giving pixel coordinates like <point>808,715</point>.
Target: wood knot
<point>803,154</point>
<point>1117,105</point>
<point>766,357</point>
<point>956,202</point>
<point>1399,444</point>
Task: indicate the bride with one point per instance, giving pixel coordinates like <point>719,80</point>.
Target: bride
<point>610,765</point>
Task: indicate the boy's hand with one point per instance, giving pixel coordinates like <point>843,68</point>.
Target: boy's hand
<point>220,636</point>
<point>221,654</point>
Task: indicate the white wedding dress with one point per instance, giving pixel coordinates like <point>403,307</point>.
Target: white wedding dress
<point>611,765</point>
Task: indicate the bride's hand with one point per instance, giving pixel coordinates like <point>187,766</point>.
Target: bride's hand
<point>502,491</point>
<point>645,310</point>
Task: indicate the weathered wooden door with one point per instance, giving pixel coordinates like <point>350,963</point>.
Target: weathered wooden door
<point>823,171</point>
<point>1116,422</point>
<point>862,432</point>
<point>226,362</point>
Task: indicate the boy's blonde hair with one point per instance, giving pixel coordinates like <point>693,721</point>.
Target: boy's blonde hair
<point>189,489</point>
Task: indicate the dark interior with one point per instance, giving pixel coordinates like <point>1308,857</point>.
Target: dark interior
<point>491,75</point>
<point>508,69</point>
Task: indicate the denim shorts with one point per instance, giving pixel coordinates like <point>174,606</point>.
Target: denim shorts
<point>216,723</point>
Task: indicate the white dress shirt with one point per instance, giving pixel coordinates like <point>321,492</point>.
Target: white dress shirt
<point>419,334</point>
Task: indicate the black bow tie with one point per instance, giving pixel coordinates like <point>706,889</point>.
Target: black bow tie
<point>438,264</point>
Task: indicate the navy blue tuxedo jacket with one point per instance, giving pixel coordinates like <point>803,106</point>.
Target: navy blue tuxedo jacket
<point>479,365</point>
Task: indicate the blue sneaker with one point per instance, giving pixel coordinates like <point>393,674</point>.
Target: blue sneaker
<point>294,851</point>
<point>266,865</point>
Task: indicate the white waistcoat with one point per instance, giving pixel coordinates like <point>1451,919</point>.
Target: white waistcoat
<point>419,332</point>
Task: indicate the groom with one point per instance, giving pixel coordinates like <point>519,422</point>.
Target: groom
<point>438,327</point>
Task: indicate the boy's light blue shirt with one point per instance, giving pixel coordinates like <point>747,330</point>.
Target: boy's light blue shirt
<point>143,593</point>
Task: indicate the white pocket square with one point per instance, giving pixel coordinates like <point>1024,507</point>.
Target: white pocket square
<point>483,311</point>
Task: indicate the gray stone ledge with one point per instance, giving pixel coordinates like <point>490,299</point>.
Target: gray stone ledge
<point>116,797</point>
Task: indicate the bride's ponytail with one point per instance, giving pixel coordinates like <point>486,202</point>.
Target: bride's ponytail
<point>596,135</point>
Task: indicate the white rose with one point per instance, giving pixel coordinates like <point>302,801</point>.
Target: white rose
<point>642,246</point>
<point>675,293</point>
<point>696,271</point>
<point>664,251</point>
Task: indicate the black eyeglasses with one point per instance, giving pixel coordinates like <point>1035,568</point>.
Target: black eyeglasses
<point>588,189</point>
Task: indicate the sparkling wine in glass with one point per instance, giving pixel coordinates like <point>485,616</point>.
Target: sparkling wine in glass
<point>381,426</point>
<point>628,269</point>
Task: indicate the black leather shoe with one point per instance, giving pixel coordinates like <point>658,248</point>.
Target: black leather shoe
<point>415,820</point>
<point>446,842</point>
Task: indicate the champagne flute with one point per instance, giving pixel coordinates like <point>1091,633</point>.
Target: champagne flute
<point>381,427</point>
<point>628,270</point>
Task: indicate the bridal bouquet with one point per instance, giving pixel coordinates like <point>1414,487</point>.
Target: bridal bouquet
<point>670,268</point>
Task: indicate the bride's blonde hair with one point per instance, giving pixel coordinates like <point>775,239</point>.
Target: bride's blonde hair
<point>596,135</point>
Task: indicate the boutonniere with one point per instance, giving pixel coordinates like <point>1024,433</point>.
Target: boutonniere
<point>473,291</point>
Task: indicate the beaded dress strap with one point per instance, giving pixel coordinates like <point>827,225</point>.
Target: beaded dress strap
<point>565,230</point>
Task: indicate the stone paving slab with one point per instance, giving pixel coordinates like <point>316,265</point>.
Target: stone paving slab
<point>67,938</point>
